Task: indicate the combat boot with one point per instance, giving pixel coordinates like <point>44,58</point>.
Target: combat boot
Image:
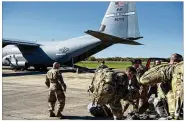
<point>59,114</point>
<point>51,114</point>
<point>117,118</point>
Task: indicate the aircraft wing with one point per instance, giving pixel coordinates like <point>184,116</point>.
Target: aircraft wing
<point>113,39</point>
<point>19,43</point>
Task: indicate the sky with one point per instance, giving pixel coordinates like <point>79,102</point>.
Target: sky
<point>160,23</point>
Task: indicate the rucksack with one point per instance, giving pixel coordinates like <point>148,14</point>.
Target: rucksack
<point>157,74</point>
<point>107,84</point>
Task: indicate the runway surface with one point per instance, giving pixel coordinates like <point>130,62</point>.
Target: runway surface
<point>25,96</point>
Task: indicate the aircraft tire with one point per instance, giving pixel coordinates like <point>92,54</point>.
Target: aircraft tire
<point>44,68</point>
<point>37,68</point>
<point>40,68</point>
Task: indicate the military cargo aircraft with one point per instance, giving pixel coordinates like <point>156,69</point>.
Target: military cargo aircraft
<point>119,25</point>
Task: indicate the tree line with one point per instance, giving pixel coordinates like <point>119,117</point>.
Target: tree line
<point>92,58</point>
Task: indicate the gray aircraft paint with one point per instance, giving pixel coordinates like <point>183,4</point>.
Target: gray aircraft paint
<point>121,20</point>
<point>77,49</point>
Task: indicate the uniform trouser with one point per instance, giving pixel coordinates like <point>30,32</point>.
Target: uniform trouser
<point>127,103</point>
<point>116,109</point>
<point>179,98</point>
<point>143,99</point>
<point>55,95</point>
<point>175,103</point>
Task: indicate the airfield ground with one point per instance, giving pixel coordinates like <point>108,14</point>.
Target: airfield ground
<point>24,96</point>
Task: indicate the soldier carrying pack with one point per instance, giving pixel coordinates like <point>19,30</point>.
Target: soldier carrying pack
<point>109,87</point>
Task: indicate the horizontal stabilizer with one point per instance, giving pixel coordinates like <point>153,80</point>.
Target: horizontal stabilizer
<point>19,43</point>
<point>113,39</point>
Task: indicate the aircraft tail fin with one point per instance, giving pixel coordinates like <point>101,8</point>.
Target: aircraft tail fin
<point>120,20</point>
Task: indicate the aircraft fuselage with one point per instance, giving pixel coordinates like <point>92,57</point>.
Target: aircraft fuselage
<point>64,52</point>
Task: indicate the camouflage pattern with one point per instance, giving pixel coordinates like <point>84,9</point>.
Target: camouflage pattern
<point>102,66</point>
<point>140,71</point>
<point>142,92</point>
<point>177,94</point>
<point>132,97</point>
<point>160,103</point>
<point>135,91</point>
<point>158,74</point>
<point>143,99</point>
<point>168,73</point>
<point>56,85</point>
<point>108,87</point>
<point>163,89</point>
<point>116,108</point>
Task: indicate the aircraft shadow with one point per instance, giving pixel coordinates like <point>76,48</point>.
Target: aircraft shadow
<point>29,72</point>
<point>33,72</point>
<point>86,118</point>
<point>22,73</point>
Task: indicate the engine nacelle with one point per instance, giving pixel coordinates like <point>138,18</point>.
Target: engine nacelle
<point>14,61</point>
<point>5,60</point>
<point>20,64</point>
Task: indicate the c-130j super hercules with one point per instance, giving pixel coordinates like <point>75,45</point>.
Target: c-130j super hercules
<point>119,25</point>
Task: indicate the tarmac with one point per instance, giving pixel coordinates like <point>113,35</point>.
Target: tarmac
<point>24,96</point>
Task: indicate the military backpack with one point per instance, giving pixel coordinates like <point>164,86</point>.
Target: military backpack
<point>106,85</point>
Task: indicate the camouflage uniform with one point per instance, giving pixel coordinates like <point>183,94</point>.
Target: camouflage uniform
<point>56,85</point>
<point>142,99</point>
<point>168,73</point>
<point>132,96</point>
<point>176,95</point>
<point>140,71</point>
<point>120,93</point>
<point>158,74</point>
<point>160,101</point>
<point>109,87</point>
<point>102,66</point>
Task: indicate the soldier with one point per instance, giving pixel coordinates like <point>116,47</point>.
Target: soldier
<point>175,58</point>
<point>112,88</point>
<point>153,89</point>
<point>57,87</point>
<point>140,69</point>
<point>137,64</point>
<point>132,97</point>
<point>164,88</point>
<point>176,97</point>
<point>166,74</point>
<point>102,66</point>
<point>158,100</point>
<point>157,62</point>
<point>129,97</point>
